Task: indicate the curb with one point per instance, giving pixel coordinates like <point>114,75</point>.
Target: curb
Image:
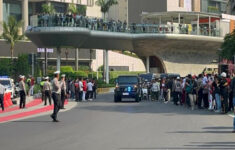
<point>70,106</point>
<point>105,90</point>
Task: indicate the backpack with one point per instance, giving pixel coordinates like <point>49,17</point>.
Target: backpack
<point>189,88</point>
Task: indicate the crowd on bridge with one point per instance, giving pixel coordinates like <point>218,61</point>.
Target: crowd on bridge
<point>212,92</point>
<point>76,20</point>
<point>93,23</point>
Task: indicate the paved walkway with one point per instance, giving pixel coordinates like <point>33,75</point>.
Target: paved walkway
<point>34,107</point>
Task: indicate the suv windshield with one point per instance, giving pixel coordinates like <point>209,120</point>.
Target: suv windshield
<point>5,83</point>
<point>129,80</point>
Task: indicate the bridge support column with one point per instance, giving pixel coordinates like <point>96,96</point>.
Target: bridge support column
<point>1,15</point>
<point>209,30</point>
<point>25,14</point>
<point>106,66</point>
<point>76,58</point>
<point>147,65</point>
<point>198,27</point>
<point>58,59</point>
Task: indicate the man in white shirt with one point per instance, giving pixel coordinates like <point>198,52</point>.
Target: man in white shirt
<point>90,90</point>
<point>155,89</point>
<point>56,95</point>
<point>22,92</point>
<point>80,89</point>
<point>2,91</point>
<point>63,90</point>
<point>47,90</point>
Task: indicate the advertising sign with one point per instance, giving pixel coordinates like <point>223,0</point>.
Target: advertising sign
<point>42,50</point>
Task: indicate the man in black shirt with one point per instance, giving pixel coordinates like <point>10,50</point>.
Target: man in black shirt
<point>224,91</point>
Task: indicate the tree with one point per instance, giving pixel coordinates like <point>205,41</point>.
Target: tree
<point>81,9</point>
<point>72,9</point>
<point>21,65</point>
<point>228,46</point>
<point>48,8</point>
<point>11,30</point>
<point>105,5</point>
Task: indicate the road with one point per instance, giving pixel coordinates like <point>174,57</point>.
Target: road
<point>104,125</point>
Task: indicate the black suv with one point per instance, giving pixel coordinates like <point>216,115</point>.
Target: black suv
<point>127,87</point>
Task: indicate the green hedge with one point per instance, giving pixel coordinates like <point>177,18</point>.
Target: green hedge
<point>66,69</point>
<point>115,74</point>
<point>94,75</point>
<point>106,85</point>
<point>80,74</point>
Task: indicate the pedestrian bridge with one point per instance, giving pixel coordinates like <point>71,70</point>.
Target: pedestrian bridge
<point>161,52</point>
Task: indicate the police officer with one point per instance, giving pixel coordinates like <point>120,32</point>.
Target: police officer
<point>2,91</point>
<point>42,91</point>
<point>22,92</point>
<point>47,91</point>
<point>63,90</point>
<point>56,95</point>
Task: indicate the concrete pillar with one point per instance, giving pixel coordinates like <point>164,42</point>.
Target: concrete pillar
<point>58,59</point>
<point>209,29</point>
<point>45,62</point>
<point>1,16</point>
<point>198,28</point>
<point>76,58</point>
<point>25,14</point>
<point>179,21</point>
<point>147,65</point>
<point>104,64</point>
<point>107,67</point>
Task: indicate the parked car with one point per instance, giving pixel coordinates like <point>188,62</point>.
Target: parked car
<point>148,76</point>
<point>8,84</point>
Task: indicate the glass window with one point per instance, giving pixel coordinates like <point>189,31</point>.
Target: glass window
<point>12,9</point>
<point>181,3</point>
<point>127,80</point>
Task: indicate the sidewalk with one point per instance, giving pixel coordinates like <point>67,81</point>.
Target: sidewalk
<point>34,108</point>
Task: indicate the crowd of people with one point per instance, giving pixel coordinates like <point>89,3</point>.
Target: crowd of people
<point>76,20</point>
<point>59,89</point>
<point>212,92</point>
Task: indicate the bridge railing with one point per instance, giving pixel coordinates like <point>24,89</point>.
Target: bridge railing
<point>118,26</point>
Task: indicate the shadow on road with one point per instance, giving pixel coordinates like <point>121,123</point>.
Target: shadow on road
<point>194,145</point>
<point>143,107</point>
<point>36,121</point>
<point>105,103</point>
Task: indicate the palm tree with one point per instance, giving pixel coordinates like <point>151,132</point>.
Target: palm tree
<point>11,30</point>
<point>48,8</point>
<point>105,5</point>
<point>72,9</point>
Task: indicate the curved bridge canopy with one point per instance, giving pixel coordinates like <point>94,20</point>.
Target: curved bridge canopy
<point>172,53</point>
<point>84,38</point>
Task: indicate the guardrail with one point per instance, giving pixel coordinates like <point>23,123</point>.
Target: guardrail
<point>117,26</point>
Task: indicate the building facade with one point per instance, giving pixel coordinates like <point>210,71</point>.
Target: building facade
<point>131,10</point>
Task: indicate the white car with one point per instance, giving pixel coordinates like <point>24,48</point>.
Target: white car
<point>8,84</point>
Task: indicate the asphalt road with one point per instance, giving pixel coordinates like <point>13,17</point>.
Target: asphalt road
<point>104,125</point>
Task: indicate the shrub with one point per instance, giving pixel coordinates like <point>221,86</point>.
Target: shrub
<point>94,75</point>
<point>77,74</point>
<point>105,85</point>
<point>115,74</point>
<point>83,68</point>
<point>66,69</point>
